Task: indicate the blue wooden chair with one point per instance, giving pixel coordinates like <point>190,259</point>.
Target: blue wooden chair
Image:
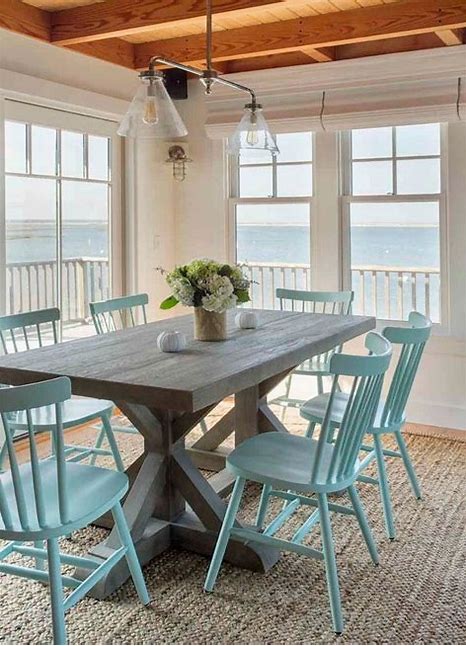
<point>304,471</point>
<point>43,500</point>
<point>318,303</point>
<point>35,329</point>
<point>118,314</point>
<point>390,417</point>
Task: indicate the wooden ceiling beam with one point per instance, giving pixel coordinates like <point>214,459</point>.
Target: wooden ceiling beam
<point>325,30</point>
<point>25,19</point>
<point>115,18</point>
<point>450,36</point>
<point>324,55</point>
<point>113,50</point>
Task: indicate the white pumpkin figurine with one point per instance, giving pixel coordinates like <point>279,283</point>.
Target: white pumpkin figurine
<point>171,341</point>
<point>246,320</point>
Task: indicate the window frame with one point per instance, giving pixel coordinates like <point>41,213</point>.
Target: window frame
<point>62,120</point>
<point>234,199</point>
<point>346,199</point>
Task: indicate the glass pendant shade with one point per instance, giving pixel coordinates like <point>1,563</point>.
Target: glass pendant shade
<point>252,134</point>
<point>152,113</point>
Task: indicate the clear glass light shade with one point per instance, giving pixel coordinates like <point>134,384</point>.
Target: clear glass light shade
<point>252,134</point>
<point>152,113</point>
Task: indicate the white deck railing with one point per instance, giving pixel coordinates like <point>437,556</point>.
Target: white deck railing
<point>33,285</point>
<point>384,291</point>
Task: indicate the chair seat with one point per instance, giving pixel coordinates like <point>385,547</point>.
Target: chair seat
<point>75,411</point>
<point>284,461</point>
<point>314,411</point>
<point>91,492</point>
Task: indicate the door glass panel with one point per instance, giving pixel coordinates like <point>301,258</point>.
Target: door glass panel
<point>98,157</point>
<point>15,147</point>
<point>43,153</point>
<point>31,244</point>
<point>57,227</point>
<point>72,154</point>
<point>85,253</point>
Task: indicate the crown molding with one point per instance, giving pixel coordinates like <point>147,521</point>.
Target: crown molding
<point>428,64</point>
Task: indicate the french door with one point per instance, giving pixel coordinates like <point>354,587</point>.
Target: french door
<point>61,230</point>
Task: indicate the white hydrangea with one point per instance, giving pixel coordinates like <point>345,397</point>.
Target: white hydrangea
<point>183,291</point>
<point>220,296</point>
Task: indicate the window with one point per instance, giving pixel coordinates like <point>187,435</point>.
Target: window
<point>270,213</point>
<point>393,209</point>
<point>57,219</point>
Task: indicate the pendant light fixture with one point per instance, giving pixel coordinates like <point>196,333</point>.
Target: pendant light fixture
<point>152,113</point>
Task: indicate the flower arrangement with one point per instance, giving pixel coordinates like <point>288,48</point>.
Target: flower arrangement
<point>207,284</point>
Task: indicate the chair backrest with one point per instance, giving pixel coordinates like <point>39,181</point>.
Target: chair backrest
<point>298,300</point>
<point>118,313</point>
<point>412,340</point>
<point>29,330</point>
<point>31,513</point>
<point>367,374</point>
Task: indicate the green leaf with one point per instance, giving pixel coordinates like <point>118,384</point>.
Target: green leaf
<point>242,296</point>
<point>169,302</point>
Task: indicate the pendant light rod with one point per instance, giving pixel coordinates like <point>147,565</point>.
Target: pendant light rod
<point>210,74</point>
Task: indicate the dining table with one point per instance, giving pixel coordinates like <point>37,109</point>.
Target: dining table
<point>172,501</point>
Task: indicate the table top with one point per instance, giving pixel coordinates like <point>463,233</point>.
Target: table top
<point>127,365</point>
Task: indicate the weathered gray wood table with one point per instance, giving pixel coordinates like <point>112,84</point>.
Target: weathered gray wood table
<point>165,396</point>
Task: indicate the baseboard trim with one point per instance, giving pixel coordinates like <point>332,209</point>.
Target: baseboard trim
<point>433,414</point>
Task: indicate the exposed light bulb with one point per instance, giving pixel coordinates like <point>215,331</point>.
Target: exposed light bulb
<point>252,136</point>
<point>150,115</point>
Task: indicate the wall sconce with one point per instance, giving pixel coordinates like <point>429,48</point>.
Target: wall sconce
<point>178,157</point>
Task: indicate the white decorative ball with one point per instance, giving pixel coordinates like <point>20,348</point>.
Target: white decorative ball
<point>171,341</point>
<point>246,320</point>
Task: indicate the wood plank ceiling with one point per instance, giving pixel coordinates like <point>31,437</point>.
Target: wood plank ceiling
<point>249,34</point>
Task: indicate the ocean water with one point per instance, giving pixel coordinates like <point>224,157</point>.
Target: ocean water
<point>399,246</point>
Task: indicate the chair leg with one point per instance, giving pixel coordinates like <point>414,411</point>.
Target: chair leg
<point>408,464</point>
<point>330,563</point>
<point>98,445</point>
<point>107,427</point>
<point>262,509</point>
<point>384,488</point>
<point>56,592</point>
<point>320,385</point>
<point>363,524</point>
<point>131,556</point>
<point>224,535</point>
<point>3,452</point>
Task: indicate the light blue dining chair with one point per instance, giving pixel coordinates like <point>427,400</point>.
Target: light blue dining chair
<point>390,417</point>
<point>118,314</point>
<point>28,330</point>
<point>304,471</point>
<point>43,500</point>
<point>319,302</point>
